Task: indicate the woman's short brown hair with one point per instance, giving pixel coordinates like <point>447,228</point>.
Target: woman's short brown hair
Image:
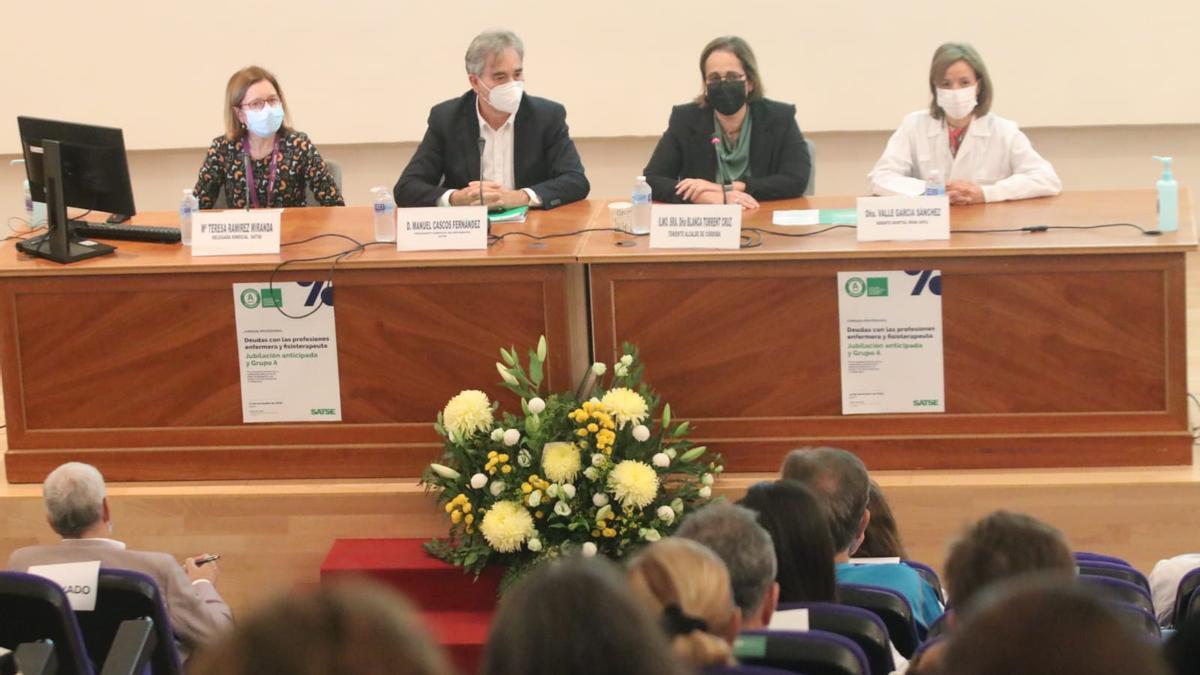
<point>235,91</point>
<point>946,56</point>
<point>741,49</point>
<point>352,627</point>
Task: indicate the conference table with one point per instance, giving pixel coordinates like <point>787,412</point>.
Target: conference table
<point>1062,348</point>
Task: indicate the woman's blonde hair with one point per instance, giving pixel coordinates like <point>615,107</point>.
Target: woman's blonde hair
<point>235,91</point>
<point>683,577</point>
<point>946,56</point>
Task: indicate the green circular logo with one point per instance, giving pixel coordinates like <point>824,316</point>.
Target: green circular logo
<point>250,298</point>
<point>855,287</point>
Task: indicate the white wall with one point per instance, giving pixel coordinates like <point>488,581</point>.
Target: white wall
<point>365,71</point>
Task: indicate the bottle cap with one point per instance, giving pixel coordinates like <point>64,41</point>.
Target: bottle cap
<point>187,192</point>
<point>1166,167</point>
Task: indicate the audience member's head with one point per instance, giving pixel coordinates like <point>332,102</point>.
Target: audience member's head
<point>1000,546</point>
<point>1042,626</point>
<point>882,537</point>
<point>576,616</point>
<point>353,628</point>
<point>841,480</point>
<point>733,533</point>
<point>75,502</point>
<point>799,527</point>
<point>686,584</point>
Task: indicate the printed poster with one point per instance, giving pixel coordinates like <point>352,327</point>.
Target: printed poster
<point>287,350</point>
<point>891,342</point>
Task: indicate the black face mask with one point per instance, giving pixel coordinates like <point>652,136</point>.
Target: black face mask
<point>727,97</point>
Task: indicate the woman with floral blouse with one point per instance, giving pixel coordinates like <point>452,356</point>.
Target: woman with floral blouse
<point>261,161</point>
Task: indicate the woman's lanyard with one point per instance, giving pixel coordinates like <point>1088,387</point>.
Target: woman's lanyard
<point>250,185</point>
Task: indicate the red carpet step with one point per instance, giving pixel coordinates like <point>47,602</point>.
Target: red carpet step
<point>455,607</point>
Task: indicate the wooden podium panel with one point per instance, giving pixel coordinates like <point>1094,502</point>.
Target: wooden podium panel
<point>134,367</point>
<point>1070,354</point>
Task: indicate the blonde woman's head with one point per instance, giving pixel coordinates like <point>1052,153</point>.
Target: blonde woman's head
<point>687,585</point>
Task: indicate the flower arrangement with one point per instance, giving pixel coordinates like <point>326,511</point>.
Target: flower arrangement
<point>596,471</point>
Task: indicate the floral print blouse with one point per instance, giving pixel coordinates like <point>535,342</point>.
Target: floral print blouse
<point>298,164</point>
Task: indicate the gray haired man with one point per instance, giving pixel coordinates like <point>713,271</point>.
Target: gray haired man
<point>733,533</point>
<point>77,509</point>
<point>495,145</point>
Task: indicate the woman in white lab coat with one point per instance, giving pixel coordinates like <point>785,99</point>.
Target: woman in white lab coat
<point>982,157</point>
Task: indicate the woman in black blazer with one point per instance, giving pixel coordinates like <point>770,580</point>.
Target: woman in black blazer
<point>764,155</point>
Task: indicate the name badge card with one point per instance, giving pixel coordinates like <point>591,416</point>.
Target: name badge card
<point>78,581</point>
<point>694,226</point>
<point>903,218</point>
<point>236,232</point>
<point>452,228</point>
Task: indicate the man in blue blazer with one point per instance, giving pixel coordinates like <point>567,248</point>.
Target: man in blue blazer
<point>495,144</point>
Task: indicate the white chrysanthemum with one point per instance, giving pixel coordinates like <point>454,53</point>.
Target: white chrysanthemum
<point>497,487</point>
<point>478,481</point>
<point>561,462</point>
<point>661,460</point>
<point>568,490</point>
<point>512,437</point>
<point>535,545</point>
<point>589,549</point>
<point>633,483</point>
<point>705,492</point>
<point>599,499</point>
<point>467,413</point>
<point>626,405</point>
<point>641,433</point>
<point>536,405</point>
<point>591,473</point>
<point>506,526</point>
<point>666,514</point>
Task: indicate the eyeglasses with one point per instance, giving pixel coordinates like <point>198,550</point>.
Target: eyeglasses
<point>714,78</point>
<point>258,103</point>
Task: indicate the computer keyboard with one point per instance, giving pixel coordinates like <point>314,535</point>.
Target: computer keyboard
<point>154,235</point>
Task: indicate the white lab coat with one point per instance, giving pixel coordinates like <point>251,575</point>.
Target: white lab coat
<point>995,154</point>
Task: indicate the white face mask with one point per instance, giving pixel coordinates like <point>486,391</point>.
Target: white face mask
<point>957,103</point>
<point>506,97</point>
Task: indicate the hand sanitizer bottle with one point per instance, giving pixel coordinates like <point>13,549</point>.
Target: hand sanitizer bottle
<point>1168,198</point>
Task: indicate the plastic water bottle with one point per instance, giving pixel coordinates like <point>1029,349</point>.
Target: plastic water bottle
<point>385,214</point>
<point>935,185</point>
<point>641,206</point>
<point>187,208</point>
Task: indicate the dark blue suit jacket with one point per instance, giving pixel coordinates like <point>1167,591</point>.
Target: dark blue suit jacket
<point>544,156</point>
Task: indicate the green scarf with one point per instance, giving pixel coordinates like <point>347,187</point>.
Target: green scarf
<point>736,158</point>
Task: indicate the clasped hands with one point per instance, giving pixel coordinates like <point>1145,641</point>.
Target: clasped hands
<point>964,192</point>
<point>493,195</point>
<point>700,191</point>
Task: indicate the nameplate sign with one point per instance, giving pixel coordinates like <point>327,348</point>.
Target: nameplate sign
<point>903,218</point>
<point>78,580</point>
<point>694,226</point>
<point>236,232</point>
<point>453,228</point>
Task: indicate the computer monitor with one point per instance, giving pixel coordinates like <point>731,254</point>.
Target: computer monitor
<point>73,165</point>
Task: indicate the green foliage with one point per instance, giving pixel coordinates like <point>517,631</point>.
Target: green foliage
<point>567,513</point>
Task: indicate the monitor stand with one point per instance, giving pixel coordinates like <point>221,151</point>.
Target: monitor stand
<point>59,243</point>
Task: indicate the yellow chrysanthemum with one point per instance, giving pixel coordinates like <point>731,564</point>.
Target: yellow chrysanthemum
<point>626,404</point>
<point>561,462</point>
<point>633,483</point>
<point>506,526</point>
<point>466,413</point>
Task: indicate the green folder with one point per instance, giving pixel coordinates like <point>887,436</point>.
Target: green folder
<point>514,215</point>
